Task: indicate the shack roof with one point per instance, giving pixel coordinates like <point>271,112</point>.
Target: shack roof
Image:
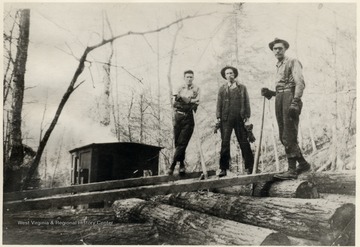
<point>131,145</point>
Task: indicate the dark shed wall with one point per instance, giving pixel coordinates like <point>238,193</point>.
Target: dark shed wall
<point>110,161</point>
<point>128,160</point>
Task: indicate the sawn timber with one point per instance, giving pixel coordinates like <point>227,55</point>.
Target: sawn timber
<point>136,192</point>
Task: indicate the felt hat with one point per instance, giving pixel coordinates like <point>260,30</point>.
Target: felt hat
<point>276,41</point>
<point>236,73</point>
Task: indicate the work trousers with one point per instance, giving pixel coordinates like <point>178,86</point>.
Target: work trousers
<point>288,127</point>
<point>227,126</point>
<point>183,129</point>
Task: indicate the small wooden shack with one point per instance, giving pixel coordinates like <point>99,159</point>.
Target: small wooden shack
<point>98,162</point>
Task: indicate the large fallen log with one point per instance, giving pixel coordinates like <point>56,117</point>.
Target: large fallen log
<point>311,219</point>
<point>338,198</point>
<point>186,227</point>
<point>287,189</point>
<point>117,234</point>
<point>333,182</point>
<point>60,215</point>
<point>141,192</point>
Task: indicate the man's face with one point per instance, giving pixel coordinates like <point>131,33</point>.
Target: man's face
<point>279,50</point>
<point>188,78</point>
<point>229,75</point>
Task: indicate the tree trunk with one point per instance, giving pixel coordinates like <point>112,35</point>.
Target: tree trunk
<point>104,100</point>
<point>12,180</point>
<point>333,182</point>
<point>312,219</point>
<point>285,189</point>
<point>186,227</point>
<point>311,134</point>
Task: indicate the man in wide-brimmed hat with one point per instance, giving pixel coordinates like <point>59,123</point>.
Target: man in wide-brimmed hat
<point>232,111</point>
<point>288,91</point>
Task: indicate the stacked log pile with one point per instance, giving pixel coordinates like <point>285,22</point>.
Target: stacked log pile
<point>267,213</point>
<point>294,217</point>
<point>190,227</point>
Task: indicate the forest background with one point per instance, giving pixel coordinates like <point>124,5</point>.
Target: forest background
<point>125,87</point>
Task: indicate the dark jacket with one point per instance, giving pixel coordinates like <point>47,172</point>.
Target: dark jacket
<point>223,101</point>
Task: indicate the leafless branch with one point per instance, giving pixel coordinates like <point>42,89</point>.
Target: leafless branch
<point>79,85</point>
<point>42,120</point>
<point>144,32</point>
<point>70,90</point>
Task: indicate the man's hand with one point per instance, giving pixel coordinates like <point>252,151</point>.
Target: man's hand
<point>295,108</point>
<point>217,125</point>
<point>249,128</point>
<point>194,107</point>
<point>267,93</point>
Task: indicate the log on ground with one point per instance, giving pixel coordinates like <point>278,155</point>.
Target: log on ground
<point>186,227</point>
<point>333,182</point>
<point>286,189</point>
<point>338,198</point>
<point>309,219</point>
<point>116,234</point>
<point>60,215</point>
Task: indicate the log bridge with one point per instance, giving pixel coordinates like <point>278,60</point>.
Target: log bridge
<point>240,210</point>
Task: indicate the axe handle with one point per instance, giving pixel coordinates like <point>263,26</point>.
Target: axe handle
<point>258,148</point>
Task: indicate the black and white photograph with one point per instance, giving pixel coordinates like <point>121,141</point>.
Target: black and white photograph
<point>179,123</point>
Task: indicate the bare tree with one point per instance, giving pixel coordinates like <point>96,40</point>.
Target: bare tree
<point>129,115</point>
<point>8,48</point>
<point>74,84</point>
<point>104,103</point>
<point>180,26</point>
<point>12,169</point>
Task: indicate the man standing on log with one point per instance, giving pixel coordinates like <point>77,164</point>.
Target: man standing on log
<point>186,100</point>
<point>232,112</point>
<point>289,90</point>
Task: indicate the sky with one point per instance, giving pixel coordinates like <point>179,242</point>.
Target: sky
<point>60,32</point>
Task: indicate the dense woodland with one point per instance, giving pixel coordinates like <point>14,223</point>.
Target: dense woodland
<point>110,77</point>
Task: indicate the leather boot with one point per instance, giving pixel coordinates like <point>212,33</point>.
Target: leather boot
<point>182,168</point>
<point>291,173</point>
<point>171,169</point>
<point>222,173</point>
<point>303,166</point>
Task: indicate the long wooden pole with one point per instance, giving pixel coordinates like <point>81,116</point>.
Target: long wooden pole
<point>136,192</point>
<point>202,159</point>
<point>258,148</point>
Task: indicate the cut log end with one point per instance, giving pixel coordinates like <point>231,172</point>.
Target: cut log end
<point>124,209</point>
<point>287,189</point>
<point>306,190</point>
<point>276,239</point>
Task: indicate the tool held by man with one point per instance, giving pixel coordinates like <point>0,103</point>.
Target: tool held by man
<point>202,159</point>
<point>257,154</point>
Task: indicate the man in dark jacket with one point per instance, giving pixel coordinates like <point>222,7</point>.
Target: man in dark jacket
<point>289,90</point>
<point>232,111</point>
<point>186,100</point>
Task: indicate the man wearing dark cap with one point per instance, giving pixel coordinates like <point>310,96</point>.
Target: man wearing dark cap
<point>288,91</point>
<point>232,111</point>
<point>186,100</point>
